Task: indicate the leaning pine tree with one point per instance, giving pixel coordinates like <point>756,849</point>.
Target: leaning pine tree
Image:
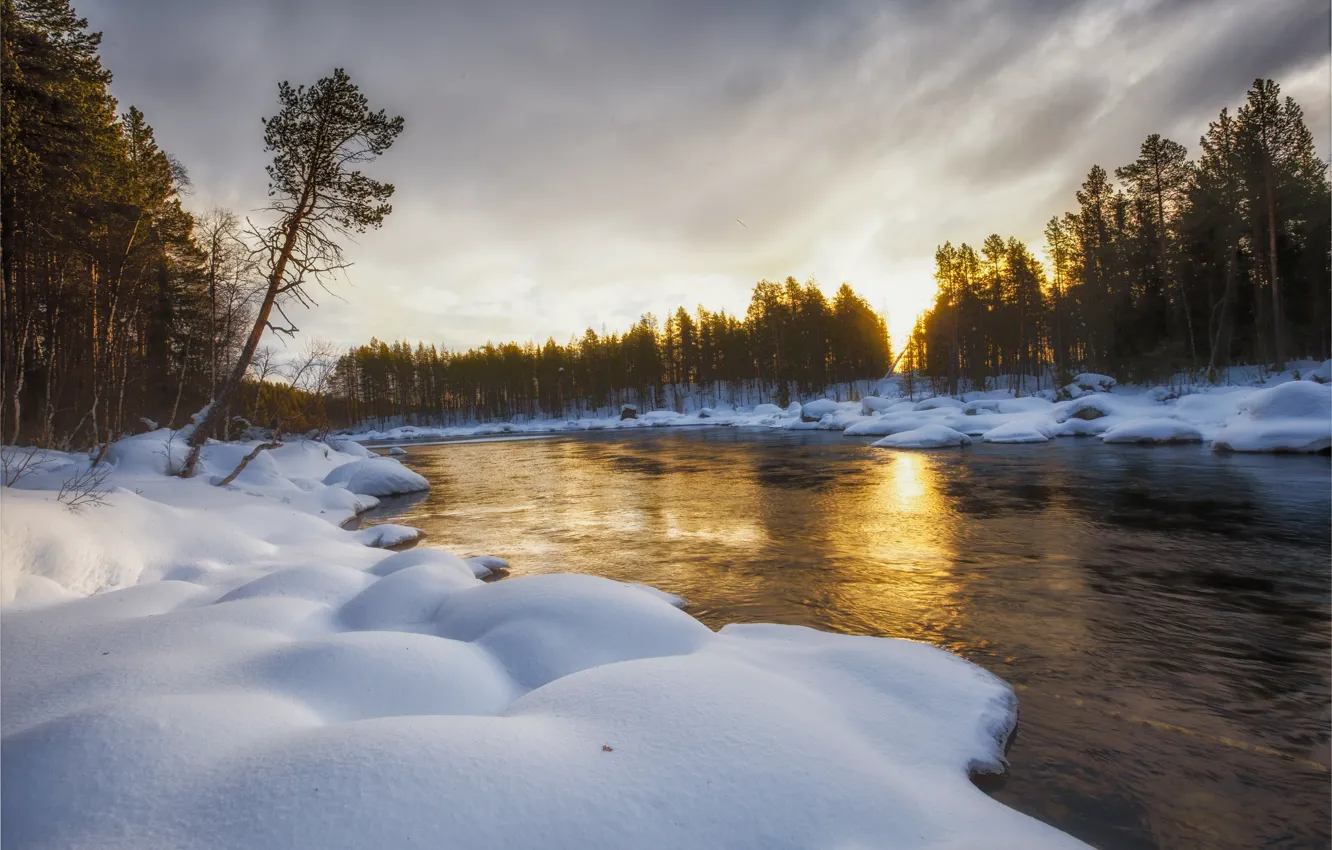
<point>318,138</point>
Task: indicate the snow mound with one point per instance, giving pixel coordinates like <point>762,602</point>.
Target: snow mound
<point>1290,417</point>
<point>1152,430</point>
<point>350,447</point>
<point>767,410</point>
<point>813,411</point>
<point>397,451</point>
<point>871,404</point>
<point>379,476</point>
<point>889,423</point>
<point>247,724</point>
<point>388,534</point>
<point>939,403</point>
<point>1019,431</point>
<point>925,437</point>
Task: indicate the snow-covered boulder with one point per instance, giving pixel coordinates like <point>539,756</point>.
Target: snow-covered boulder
<point>1088,407</point>
<point>1290,417</point>
<point>628,411</point>
<point>350,447</point>
<point>925,437</point>
<point>939,402</point>
<point>1323,374</point>
<point>767,410</point>
<point>1025,430</point>
<point>387,535</point>
<point>1152,430</point>
<point>813,411</point>
<point>881,426</point>
<point>872,404</point>
<point>380,476</point>
<point>397,451</point>
<point>1093,382</point>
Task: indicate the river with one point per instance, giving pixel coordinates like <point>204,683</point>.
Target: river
<point>1162,611</point>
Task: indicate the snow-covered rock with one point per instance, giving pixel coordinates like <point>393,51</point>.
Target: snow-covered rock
<point>871,404</point>
<point>813,411</point>
<point>938,403</point>
<point>1023,430</point>
<point>350,447</point>
<point>387,535</point>
<point>924,437</point>
<point>1290,417</point>
<point>397,451</point>
<point>379,476</point>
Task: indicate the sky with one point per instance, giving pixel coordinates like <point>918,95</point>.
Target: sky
<point>568,165</point>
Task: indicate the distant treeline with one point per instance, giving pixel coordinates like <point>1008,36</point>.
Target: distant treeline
<point>791,340</point>
<point>1186,266</point>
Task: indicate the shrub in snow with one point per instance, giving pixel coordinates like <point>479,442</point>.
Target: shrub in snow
<point>379,476</point>
<point>925,437</point>
<point>160,452</point>
<point>1093,382</point>
<point>1152,430</point>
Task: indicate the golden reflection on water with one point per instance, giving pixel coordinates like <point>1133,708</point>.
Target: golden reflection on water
<point>997,556</point>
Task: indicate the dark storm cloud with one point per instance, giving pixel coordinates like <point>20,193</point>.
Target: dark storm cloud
<point>569,164</point>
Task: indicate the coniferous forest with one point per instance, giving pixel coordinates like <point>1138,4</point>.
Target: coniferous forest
<point>1174,266</point>
<point>123,309</point>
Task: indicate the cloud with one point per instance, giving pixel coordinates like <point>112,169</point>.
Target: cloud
<point>570,164</point>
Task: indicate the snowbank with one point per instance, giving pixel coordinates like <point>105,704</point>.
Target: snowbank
<point>1152,430</point>
<point>1291,417</point>
<point>1091,405</point>
<point>252,675</point>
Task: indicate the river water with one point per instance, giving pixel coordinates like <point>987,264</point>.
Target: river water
<point>1162,611</point>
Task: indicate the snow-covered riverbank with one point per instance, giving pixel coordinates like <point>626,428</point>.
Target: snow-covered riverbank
<point>1286,412</point>
<point>190,665</point>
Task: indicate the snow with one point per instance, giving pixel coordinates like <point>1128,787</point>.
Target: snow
<point>1026,430</point>
<point>816,410</point>
<point>1290,417</point>
<point>1152,430</point>
<point>377,477</point>
<point>925,437</point>
<point>939,402</point>
<point>396,451</point>
<point>225,667</point>
<point>387,535</point>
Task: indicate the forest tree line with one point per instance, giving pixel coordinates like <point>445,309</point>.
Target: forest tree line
<point>1175,266</point>
<point>792,340</point>
<point>122,310</point>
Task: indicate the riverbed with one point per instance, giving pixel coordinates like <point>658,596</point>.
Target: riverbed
<point>1162,611</point>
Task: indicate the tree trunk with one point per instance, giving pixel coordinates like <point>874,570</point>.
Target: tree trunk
<point>1278,320</point>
